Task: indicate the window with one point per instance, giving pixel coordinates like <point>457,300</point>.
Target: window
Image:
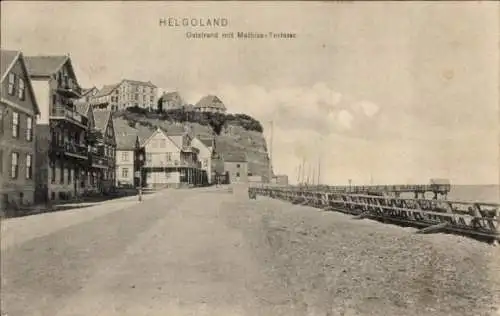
<point>163,143</point>
<point>12,83</point>
<point>238,165</point>
<point>15,124</point>
<point>29,128</point>
<point>168,156</point>
<point>53,172</point>
<point>154,144</point>
<point>69,174</point>
<point>136,97</point>
<point>124,156</point>
<point>61,174</point>
<point>29,167</point>
<point>20,92</point>
<point>125,173</point>
<point>1,161</point>
<point>237,174</point>
<point>14,165</point>
<point>149,157</point>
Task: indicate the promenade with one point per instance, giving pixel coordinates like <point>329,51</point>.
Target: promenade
<point>214,252</point>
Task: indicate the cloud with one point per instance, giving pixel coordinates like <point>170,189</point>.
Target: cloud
<point>344,119</point>
<point>369,108</point>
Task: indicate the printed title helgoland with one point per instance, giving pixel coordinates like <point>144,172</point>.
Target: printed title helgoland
<point>194,22</point>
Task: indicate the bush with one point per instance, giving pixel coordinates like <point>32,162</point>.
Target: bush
<point>217,121</point>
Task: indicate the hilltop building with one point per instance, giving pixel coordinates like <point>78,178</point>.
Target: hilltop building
<point>127,93</point>
<point>210,103</point>
<point>172,101</point>
<point>18,111</point>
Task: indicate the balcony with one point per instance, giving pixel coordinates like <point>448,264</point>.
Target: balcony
<point>71,149</point>
<point>69,90</point>
<point>68,113</point>
<point>173,164</point>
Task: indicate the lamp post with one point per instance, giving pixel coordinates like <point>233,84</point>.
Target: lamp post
<point>141,159</point>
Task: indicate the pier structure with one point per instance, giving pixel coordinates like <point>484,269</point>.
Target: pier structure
<point>384,203</point>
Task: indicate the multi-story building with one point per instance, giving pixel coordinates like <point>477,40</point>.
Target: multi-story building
<point>102,153</point>
<point>171,160</point>
<point>127,93</point>
<point>172,101</point>
<point>18,111</point>
<point>128,150</point>
<point>211,104</point>
<point>61,130</point>
<point>206,147</point>
<point>236,165</point>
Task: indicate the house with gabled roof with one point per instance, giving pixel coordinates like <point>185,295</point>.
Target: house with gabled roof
<point>18,111</point>
<point>61,129</point>
<point>103,152</point>
<point>171,162</point>
<point>128,151</point>
<point>210,103</point>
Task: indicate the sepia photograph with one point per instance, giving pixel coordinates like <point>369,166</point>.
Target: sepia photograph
<point>250,158</point>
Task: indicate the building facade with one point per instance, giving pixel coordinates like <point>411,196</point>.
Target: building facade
<point>102,153</point>
<point>18,111</point>
<point>236,165</point>
<point>128,150</point>
<point>127,93</point>
<point>61,130</point>
<point>206,148</point>
<point>171,161</point>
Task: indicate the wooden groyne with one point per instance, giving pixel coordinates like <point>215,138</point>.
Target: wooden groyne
<point>384,203</point>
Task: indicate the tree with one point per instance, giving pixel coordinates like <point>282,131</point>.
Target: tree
<point>160,105</point>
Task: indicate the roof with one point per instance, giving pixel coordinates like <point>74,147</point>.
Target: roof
<point>234,157</point>
<point>149,83</point>
<point>126,141</point>
<point>206,141</point>
<point>176,130</point>
<point>101,118</point>
<point>144,133</point>
<point>210,101</point>
<point>106,89</point>
<point>86,91</point>
<point>44,65</point>
<point>7,60</point>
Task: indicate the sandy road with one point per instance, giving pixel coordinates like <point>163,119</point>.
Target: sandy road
<point>207,252</point>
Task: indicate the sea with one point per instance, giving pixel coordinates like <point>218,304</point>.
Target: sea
<point>476,193</point>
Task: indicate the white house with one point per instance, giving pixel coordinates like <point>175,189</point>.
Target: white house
<point>171,162</point>
<point>206,148</point>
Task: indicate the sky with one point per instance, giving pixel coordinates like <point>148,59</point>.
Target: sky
<point>382,92</point>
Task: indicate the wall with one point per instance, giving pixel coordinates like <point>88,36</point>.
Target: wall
<point>157,147</point>
<point>205,156</point>
<point>125,159</point>
<point>238,171</point>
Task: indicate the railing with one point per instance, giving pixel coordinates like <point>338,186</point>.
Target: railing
<point>68,113</point>
<point>479,219</point>
<point>72,148</point>
<point>69,90</point>
<point>364,189</point>
<point>173,164</point>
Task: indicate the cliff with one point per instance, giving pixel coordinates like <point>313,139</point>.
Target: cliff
<point>237,133</point>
